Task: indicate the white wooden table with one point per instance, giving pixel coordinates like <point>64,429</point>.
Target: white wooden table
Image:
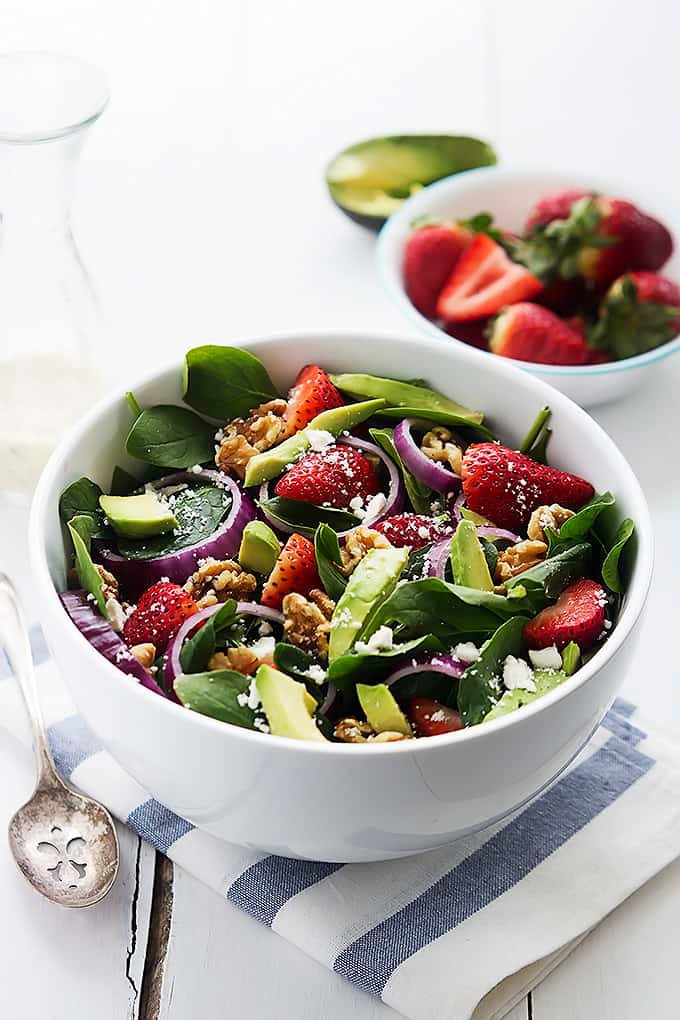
<point>203,217</point>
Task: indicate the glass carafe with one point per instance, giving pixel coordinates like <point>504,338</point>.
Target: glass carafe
<point>50,327</point>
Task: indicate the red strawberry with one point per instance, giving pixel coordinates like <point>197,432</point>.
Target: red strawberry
<point>294,570</point>
<point>330,478</point>
<point>578,615</point>
<point>554,206</point>
<point>484,281</point>
<point>532,333</point>
<point>414,530</point>
<point>160,611</point>
<point>506,486</point>
<point>472,333</point>
<point>430,718</point>
<point>640,311</point>
<point>312,393</point>
<point>429,257</point>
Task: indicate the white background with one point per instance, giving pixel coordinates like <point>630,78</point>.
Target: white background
<point>203,217</point>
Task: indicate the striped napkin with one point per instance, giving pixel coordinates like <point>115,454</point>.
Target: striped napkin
<point>460,933</point>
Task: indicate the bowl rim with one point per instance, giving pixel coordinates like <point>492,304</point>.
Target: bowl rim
<point>628,618</point>
<point>388,240</point>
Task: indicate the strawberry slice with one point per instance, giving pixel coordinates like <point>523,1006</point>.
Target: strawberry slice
<point>294,570</point>
<point>484,281</point>
<point>430,718</point>
<point>429,257</point>
<point>529,332</point>
<point>331,478</point>
<point>578,615</point>
<point>160,612</point>
<point>312,393</point>
<point>413,530</point>
<point>506,486</point>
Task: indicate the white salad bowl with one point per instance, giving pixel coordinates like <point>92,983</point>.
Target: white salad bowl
<point>509,194</point>
<point>340,802</point>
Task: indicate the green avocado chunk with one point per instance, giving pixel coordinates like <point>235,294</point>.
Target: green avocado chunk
<point>402,394</point>
<point>468,561</point>
<point>272,462</point>
<point>288,705</point>
<point>369,585</point>
<point>470,515</point>
<point>138,516</point>
<point>259,548</point>
<point>545,679</point>
<point>381,709</point>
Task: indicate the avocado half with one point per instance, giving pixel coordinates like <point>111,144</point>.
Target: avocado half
<point>371,179</point>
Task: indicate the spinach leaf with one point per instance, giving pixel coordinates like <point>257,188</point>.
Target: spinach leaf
<point>418,565</point>
<point>545,681</point>
<point>557,572</point>
<point>368,667</point>
<point>225,382</point>
<point>216,694</point>
<point>518,601</point>
<point>81,530</point>
<point>170,437</point>
<point>198,649</point>
<point>293,660</point>
<point>427,684</point>
<point>327,551</point>
<point>429,414</point>
<point>306,516</point>
<point>199,512</point>
<point>420,495</point>
<point>611,572</point>
<point>479,683</point>
<point>571,654</point>
<point>81,498</point>
<point>490,554</point>
<point>122,482</point>
<point>576,528</point>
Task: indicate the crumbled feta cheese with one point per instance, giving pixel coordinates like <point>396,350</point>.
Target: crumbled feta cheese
<point>319,439</point>
<point>423,532</point>
<point>545,658</point>
<point>466,651</point>
<point>381,641</point>
<point>254,699</point>
<point>261,725</point>
<point>375,506</point>
<point>518,673</point>
<point>265,628</point>
<point>356,503</point>
<point>115,613</point>
<point>316,673</point>
<point>263,647</point>
<point>196,469</point>
<point>242,699</point>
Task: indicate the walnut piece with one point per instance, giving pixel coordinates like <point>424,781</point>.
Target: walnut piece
<point>145,654</point>
<point>357,544</point>
<point>109,582</point>
<point>519,558</point>
<point>241,659</point>
<point>244,438</point>
<point>352,731</point>
<point>438,445</point>
<point>218,580</point>
<point>389,737</point>
<point>306,621</point>
<point>543,517</point>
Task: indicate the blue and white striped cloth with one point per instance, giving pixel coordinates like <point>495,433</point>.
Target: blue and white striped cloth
<point>462,932</point>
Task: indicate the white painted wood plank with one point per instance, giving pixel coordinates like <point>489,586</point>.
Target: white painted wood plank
<point>520,1012</point>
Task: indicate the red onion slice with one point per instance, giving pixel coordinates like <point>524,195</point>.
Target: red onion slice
<point>434,662</point>
<point>486,531</point>
<point>173,666</point>
<point>327,703</point>
<point>104,639</point>
<point>429,472</point>
<point>135,576</point>
<point>458,503</point>
<point>437,558</point>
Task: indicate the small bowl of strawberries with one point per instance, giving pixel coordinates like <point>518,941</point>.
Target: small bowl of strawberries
<point>559,273</point>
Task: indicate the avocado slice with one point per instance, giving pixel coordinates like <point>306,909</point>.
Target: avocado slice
<point>370,180</point>
<point>402,394</point>
<point>468,561</point>
<point>259,548</point>
<point>288,705</point>
<point>372,581</point>
<point>272,462</point>
<point>138,516</point>
<point>545,680</point>
<point>381,709</point>
<point>470,515</point>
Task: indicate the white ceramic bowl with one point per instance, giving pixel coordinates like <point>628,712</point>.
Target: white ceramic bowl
<point>509,194</point>
<point>341,802</point>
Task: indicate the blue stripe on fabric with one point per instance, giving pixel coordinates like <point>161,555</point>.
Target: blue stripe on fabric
<point>623,707</point>
<point>158,825</point>
<point>495,867</point>
<point>71,743</point>
<point>39,650</point>
<point>624,730</point>
<point>265,887</point>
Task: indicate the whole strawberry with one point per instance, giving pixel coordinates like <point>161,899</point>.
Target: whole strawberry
<point>554,206</point>
<point>529,332</point>
<point>414,530</point>
<point>506,486</point>
<point>312,393</point>
<point>430,254</point>
<point>640,311</point>
<point>160,612</point>
<point>578,615</point>
<point>294,571</point>
<point>333,477</point>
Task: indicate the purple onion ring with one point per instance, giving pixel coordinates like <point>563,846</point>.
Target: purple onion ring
<point>436,477</point>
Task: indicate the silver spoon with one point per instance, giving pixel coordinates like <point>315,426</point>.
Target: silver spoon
<point>64,844</point>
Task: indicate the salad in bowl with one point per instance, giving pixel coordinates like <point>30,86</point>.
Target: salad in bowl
<point>359,560</point>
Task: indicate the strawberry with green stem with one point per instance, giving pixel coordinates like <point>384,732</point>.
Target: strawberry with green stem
<point>640,311</point>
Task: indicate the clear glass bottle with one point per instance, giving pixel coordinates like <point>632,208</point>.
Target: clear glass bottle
<point>50,327</point>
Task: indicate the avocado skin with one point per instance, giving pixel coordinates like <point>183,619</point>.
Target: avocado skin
<point>259,548</point>
<point>288,705</point>
<point>373,580</point>
<point>139,516</point>
<point>467,559</point>
<point>381,709</point>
